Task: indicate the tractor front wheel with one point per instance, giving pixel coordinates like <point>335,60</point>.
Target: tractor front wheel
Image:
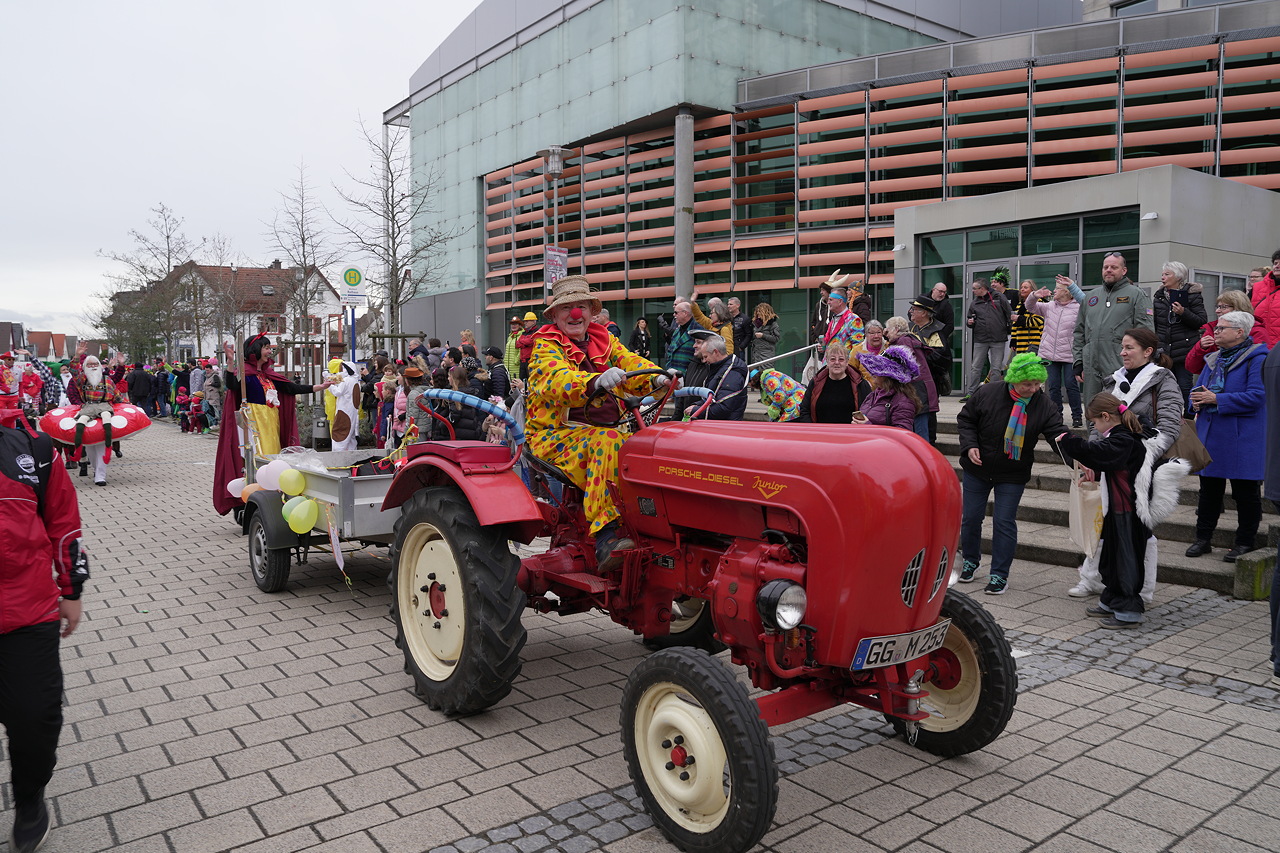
<point>974,684</point>
<point>455,603</point>
<point>698,752</point>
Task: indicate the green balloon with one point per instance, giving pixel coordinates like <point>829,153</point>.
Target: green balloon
<point>304,517</point>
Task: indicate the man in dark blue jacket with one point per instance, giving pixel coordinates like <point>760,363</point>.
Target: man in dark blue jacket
<point>726,377</point>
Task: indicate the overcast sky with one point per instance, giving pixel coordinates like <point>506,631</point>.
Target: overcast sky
<point>109,109</point>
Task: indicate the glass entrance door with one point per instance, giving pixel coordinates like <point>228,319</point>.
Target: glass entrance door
<point>1044,270</point>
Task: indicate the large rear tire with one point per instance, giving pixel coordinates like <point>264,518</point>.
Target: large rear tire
<point>698,752</point>
<point>269,566</point>
<point>979,683</point>
<point>455,603</point>
<point>691,627</point>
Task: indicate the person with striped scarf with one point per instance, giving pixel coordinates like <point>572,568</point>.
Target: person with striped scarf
<point>999,426</point>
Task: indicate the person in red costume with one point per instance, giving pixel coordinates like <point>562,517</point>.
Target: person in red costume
<point>44,571</point>
<point>272,406</point>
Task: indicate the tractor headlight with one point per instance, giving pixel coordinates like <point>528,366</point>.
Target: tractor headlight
<point>781,604</point>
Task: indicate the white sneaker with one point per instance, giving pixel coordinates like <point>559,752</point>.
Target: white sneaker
<point>1083,590</point>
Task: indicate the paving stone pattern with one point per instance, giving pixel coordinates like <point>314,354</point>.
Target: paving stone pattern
<point>204,715</point>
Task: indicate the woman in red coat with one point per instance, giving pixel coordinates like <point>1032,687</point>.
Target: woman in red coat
<point>1266,304</point>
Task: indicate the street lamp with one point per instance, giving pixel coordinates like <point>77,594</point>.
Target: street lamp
<point>554,157</point>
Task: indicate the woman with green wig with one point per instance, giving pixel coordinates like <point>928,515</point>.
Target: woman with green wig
<point>999,427</point>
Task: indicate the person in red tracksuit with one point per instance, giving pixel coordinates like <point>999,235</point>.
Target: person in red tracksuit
<point>42,571</point>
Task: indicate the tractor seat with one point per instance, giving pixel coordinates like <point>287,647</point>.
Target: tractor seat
<point>548,469</point>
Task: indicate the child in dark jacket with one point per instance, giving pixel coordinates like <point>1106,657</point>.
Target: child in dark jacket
<point>1118,453</point>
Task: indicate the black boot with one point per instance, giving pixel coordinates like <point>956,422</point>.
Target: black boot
<point>609,541</point>
<point>115,445</point>
<point>84,468</point>
<point>30,825</point>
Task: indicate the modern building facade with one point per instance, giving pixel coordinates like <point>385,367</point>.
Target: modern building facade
<point>811,168</point>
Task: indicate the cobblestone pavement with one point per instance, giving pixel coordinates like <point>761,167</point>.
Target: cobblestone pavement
<point>205,715</point>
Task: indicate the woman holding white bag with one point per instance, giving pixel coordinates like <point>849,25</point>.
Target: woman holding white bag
<point>1148,388</point>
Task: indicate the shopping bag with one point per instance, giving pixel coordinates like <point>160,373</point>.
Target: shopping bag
<point>811,368</point>
<point>1084,513</point>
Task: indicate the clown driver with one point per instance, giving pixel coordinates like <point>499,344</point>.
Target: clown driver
<point>572,359</point>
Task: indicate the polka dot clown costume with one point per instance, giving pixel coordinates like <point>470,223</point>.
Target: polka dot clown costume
<point>571,355</point>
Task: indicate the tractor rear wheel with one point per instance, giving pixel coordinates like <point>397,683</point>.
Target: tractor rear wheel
<point>269,566</point>
<point>698,752</point>
<point>976,685</point>
<point>455,603</point>
<point>691,627</point>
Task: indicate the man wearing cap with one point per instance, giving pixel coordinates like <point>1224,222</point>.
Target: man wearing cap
<point>726,377</point>
<point>526,343</point>
<point>573,358</point>
<point>930,332</point>
<point>499,378</point>
<point>511,352</point>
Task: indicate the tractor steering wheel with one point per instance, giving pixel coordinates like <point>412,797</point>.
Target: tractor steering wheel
<point>633,407</point>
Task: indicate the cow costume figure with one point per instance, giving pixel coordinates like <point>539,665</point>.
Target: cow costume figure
<point>342,405</point>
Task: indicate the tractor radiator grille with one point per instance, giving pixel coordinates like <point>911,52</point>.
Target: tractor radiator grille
<point>943,565</point>
<point>911,579</point>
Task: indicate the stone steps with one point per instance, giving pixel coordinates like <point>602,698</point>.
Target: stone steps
<point>1043,517</point>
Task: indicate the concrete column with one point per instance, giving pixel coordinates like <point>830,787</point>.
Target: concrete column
<point>684,203</point>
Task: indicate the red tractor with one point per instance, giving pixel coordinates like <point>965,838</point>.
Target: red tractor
<point>820,556</point>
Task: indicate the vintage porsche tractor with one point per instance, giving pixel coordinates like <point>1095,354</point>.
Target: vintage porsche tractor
<point>820,556</point>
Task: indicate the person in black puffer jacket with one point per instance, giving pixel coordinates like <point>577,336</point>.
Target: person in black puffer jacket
<point>466,420</point>
<point>1179,313</point>
<point>997,447</point>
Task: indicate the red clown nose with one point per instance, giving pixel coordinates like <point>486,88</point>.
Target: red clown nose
<point>575,313</point>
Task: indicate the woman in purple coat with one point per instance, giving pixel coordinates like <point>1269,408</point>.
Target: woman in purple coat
<point>894,401</point>
<point>1231,422</point>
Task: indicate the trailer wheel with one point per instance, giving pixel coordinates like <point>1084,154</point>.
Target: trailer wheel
<point>698,752</point>
<point>691,627</point>
<point>269,566</point>
<point>975,683</point>
<point>455,603</point>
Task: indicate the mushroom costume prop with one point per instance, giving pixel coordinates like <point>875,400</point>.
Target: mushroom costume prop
<point>125,420</point>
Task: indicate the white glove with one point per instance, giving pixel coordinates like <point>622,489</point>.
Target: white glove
<point>661,380</point>
<point>611,378</point>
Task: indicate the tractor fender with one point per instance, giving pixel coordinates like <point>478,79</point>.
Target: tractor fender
<point>499,498</point>
<point>267,504</point>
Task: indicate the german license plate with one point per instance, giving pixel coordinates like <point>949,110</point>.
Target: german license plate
<point>875,652</point>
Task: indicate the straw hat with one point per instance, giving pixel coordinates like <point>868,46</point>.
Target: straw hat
<point>571,288</point>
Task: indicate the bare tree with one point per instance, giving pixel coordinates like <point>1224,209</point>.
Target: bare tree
<point>390,220</point>
<point>140,302</point>
<point>298,233</point>
<point>221,305</point>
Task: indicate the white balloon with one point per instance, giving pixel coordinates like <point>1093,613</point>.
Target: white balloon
<point>236,486</point>
<point>67,423</point>
<point>269,474</point>
<point>119,422</point>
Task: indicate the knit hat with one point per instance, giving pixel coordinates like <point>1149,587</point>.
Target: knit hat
<point>1026,367</point>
